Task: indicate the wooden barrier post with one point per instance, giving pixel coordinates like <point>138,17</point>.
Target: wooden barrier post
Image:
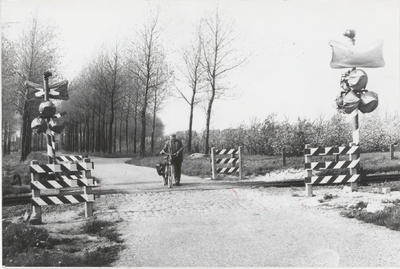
<point>233,155</point>
<point>213,173</point>
<point>308,159</point>
<point>337,157</point>
<point>87,190</point>
<point>36,210</point>
<point>392,151</point>
<point>240,163</point>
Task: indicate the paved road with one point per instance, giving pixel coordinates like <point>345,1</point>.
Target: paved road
<point>236,226</point>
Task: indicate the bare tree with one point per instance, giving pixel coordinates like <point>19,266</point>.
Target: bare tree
<point>36,52</point>
<point>146,59</point>
<point>160,95</point>
<point>194,77</point>
<point>110,80</point>
<point>220,57</point>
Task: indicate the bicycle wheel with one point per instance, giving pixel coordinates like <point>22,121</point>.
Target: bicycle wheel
<point>165,176</point>
<point>170,175</point>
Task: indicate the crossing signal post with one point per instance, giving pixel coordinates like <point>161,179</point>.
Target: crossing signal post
<point>63,171</point>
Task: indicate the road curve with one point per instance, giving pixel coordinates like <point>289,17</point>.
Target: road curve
<point>232,226</point>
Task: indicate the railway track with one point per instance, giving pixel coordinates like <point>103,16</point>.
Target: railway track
<point>369,179</point>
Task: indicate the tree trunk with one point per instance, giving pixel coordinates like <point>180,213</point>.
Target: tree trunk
<point>120,133</point>
<point>26,133</point>
<point>191,124</point>
<point>4,138</point>
<point>135,133</point>
<point>110,130</point>
<point>9,140</point>
<point>208,120</point>
<point>127,131</point>
<point>153,128</point>
<point>87,133</point>
<point>115,137</point>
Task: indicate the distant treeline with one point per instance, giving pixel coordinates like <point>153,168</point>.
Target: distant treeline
<point>270,136</point>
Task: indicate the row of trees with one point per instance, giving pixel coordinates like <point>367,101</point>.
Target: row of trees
<point>270,136</point>
<point>26,58</point>
<point>116,98</point>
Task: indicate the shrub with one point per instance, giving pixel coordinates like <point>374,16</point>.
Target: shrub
<point>389,217</point>
<point>101,228</point>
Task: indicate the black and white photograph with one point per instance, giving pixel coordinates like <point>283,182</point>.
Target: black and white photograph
<point>200,133</point>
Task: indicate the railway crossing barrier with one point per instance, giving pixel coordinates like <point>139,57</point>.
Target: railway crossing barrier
<point>71,172</point>
<point>352,164</point>
<point>231,165</point>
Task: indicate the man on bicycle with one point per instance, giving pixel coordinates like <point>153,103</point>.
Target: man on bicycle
<point>174,147</point>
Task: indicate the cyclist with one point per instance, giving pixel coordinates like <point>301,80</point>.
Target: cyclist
<point>174,147</point>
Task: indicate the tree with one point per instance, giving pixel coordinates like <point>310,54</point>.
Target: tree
<point>36,52</point>
<point>108,78</point>
<point>160,95</point>
<point>146,63</point>
<point>9,85</point>
<point>194,77</point>
<point>220,57</point>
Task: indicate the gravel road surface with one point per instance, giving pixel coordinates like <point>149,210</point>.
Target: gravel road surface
<point>210,224</point>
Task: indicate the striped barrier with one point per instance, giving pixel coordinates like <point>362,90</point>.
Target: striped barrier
<point>236,163</point>
<point>61,200</point>
<point>338,179</point>
<point>320,151</point>
<point>45,168</point>
<point>76,158</point>
<point>81,182</point>
<point>332,165</point>
<point>53,184</point>
<point>352,164</point>
<point>227,170</point>
<point>226,151</point>
<point>71,172</point>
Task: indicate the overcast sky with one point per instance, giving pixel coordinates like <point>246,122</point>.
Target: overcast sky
<point>288,72</point>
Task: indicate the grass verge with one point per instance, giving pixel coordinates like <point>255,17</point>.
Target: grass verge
<point>388,217</point>
<point>27,245</point>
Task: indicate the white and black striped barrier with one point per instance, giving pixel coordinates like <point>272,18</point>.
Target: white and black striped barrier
<point>71,172</point>
<point>235,163</point>
<point>352,164</point>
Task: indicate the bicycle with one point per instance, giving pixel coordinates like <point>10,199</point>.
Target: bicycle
<point>169,175</point>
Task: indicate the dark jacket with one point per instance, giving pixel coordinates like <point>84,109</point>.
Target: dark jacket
<point>173,147</point>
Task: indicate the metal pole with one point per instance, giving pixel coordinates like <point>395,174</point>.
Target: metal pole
<point>49,135</point>
<point>356,128</point>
